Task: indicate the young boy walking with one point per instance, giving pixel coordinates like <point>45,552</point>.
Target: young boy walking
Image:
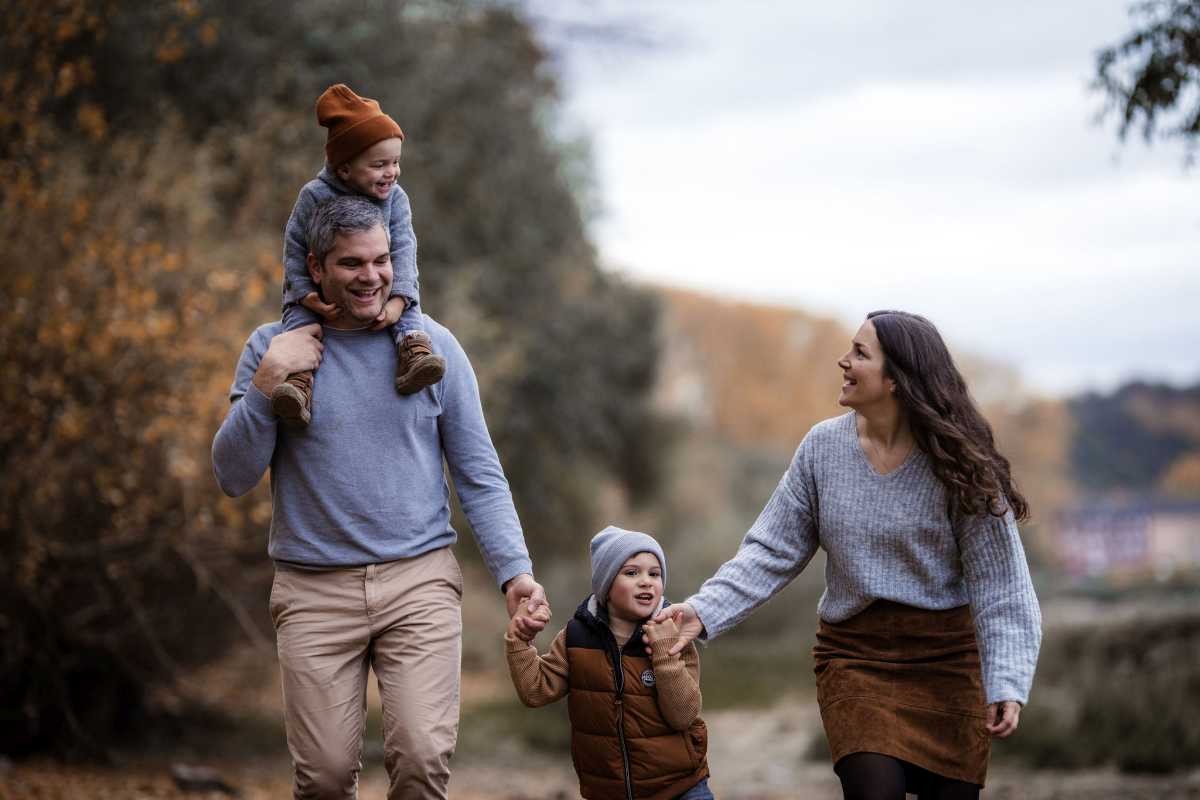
<point>362,157</point>
<point>636,730</point>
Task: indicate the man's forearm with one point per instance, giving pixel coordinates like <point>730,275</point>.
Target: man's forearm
<point>245,443</point>
<point>268,376</point>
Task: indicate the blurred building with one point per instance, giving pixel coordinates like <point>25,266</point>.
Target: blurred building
<point>1129,541</point>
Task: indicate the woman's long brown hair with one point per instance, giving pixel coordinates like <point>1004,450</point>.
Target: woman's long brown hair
<point>945,421</point>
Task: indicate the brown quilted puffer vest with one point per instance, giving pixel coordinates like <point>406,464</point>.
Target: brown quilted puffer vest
<point>620,743</point>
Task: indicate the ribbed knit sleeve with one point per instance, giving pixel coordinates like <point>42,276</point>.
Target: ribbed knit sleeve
<point>676,682</point>
<point>887,536</point>
<point>539,680</point>
<point>774,551</point>
<point>1008,621</point>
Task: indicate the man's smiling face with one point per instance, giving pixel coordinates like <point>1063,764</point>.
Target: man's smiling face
<point>356,276</point>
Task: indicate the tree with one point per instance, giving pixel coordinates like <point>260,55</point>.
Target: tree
<point>1152,77</point>
<point>142,223</point>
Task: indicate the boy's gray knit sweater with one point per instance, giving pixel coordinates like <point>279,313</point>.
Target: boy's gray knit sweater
<point>326,186</point>
<point>886,537</point>
<point>363,483</point>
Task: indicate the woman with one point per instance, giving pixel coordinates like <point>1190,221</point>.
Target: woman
<point>929,627</point>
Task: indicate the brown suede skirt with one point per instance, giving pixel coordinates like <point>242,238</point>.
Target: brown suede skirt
<point>905,682</point>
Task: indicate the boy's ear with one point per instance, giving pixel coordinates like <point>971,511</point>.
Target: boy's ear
<point>314,268</point>
<point>342,171</point>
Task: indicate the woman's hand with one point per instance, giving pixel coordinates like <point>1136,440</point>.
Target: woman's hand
<point>686,619</point>
<point>1002,718</point>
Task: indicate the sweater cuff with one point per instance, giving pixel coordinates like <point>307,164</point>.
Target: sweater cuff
<point>405,289</point>
<point>707,617</point>
<point>506,572</point>
<point>258,402</point>
<point>1001,691</point>
<point>514,645</point>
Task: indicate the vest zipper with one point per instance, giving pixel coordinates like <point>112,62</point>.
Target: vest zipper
<point>620,681</point>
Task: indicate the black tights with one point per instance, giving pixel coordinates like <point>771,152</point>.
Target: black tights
<point>873,776</point>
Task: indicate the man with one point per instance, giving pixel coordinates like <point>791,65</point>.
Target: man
<point>360,532</point>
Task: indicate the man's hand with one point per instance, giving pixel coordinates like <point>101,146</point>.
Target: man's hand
<point>293,351</point>
<point>390,314</point>
<point>312,301</point>
<point>523,590</point>
<point>1002,718</point>
<point>525,624</point>
<point>686,620</point>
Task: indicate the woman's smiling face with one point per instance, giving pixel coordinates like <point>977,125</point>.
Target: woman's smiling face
<point>863,380</point>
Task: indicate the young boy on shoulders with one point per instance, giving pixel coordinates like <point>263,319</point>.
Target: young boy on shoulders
<point>362,157</point>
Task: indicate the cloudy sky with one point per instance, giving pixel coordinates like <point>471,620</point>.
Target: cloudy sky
<point>940,157</point>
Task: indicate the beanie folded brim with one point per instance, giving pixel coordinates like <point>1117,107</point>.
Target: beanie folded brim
<point>611,548</point>
<point>352,140</point>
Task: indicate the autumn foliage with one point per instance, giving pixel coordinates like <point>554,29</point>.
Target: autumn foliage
<point>149,154</point>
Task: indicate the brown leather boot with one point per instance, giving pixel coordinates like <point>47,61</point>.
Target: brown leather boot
<point>292,400</point>
<point>419,366</point>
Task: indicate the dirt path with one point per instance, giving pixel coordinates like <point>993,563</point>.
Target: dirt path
<point>758,754</point>
<point>762,754</point>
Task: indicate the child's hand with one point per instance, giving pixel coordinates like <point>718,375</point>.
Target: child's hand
<point>522,632</point>
<point>390,314</point>
<point>686,619</point>
<point>660,631</point>
<point>312,301</point>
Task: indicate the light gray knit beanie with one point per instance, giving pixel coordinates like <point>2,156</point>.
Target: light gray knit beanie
<point>611,548</point>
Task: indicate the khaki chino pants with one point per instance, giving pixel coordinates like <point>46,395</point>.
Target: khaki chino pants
<point>403,620</point>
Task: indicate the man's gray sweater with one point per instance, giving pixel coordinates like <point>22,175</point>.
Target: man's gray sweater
<point>364,483</point>
<point>886,537</point>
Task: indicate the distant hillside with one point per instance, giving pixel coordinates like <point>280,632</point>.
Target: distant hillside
<point>1142,437</point>
<point>757,375</point>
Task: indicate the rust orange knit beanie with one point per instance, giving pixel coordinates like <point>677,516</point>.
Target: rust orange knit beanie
<point>355,123</point>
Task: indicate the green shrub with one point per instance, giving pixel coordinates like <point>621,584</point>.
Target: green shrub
<point>1124,695</point>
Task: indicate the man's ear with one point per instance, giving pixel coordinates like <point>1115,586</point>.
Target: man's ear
<point>314,269</point>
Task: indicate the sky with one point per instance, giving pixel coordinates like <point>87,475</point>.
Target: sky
<point>938,157</point>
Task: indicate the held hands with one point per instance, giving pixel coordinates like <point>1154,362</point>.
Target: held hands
<point>522,625</point>
<point>527,593</point>
<point>293,351</point>
<point>687,623</point>
<point>1002,718</point>
<point>390,314</point>
<point>653,631</point>
<point>312,301</point>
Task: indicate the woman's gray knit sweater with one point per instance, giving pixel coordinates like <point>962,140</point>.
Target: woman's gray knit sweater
<point>887,537</point>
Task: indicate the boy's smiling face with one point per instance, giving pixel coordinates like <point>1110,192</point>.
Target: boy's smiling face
<point>637,590</point>
<point>374,171</point>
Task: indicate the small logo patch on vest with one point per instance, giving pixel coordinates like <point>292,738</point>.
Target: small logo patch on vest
<point>647,677</point>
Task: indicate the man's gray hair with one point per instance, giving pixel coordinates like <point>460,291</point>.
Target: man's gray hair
<point>339,216</point>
